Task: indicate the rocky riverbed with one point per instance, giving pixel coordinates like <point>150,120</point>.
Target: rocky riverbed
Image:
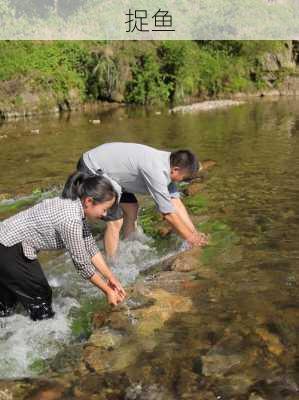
<point>186,331</point>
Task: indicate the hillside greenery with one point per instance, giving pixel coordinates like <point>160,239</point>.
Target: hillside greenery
<point>139,72</point>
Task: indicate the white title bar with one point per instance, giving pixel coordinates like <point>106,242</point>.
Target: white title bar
<point>149,20</point>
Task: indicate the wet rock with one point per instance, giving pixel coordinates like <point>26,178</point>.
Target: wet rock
<point>115,359</point>
<point>187,383</point>
<point>165,230</point>
<point>271,340</point>
<point>169,281</point>
<point>255,396</point>
<point>208,164</point>
<point>134,392</point>
<point>118,346</point>
<point>218,364</point>
<point>106,339</point>
<point>166,305</point>
<point>149,392</point>
<point>99,319</point>
<point>95,387</point>
<point>186,262</point>
<point>48,394</point>
<point>194,188</point>
<point>4,196</point>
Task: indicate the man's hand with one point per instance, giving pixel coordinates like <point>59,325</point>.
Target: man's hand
<point>197,239</point>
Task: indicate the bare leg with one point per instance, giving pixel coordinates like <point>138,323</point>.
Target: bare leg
<point>111,237</point>
<point>130,211</point>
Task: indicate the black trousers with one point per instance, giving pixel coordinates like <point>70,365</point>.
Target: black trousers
<point>22,280</point>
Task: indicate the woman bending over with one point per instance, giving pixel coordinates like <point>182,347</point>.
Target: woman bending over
<point>55,223</point>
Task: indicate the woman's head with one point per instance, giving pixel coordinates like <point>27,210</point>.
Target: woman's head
<point>95,192</point>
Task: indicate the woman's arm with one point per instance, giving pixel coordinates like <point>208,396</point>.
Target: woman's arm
<point>100,264</point>
<point>113,297</point>
<point>72,236</point>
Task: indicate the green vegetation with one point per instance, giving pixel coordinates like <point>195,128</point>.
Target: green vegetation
<point>57,66</point>
<point>9,208</point>
<point>150,219</point>
<point>196,204</point>
<point>38,366</point>
<point>82,318</point>
<point>137,72</point>
<point>221,238</point>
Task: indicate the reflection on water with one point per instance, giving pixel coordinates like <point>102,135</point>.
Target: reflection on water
<point>254,188</point>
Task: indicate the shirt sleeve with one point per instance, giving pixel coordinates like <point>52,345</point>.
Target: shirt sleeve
<point>157,186</point>
<point>72,235</point>
<point>90,243</point>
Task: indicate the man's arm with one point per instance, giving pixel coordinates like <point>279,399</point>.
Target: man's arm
<point>194,238</point>
<point>183,213</point>
<point>157,186</point>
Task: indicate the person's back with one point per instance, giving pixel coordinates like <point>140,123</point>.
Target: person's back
<point>126,163</point>
<point>38,226</point>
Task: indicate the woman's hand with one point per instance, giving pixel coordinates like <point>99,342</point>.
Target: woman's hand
<point>113,297</point>
<point>114,284</point>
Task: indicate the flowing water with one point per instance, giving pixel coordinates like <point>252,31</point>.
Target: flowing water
<point>255,187</point>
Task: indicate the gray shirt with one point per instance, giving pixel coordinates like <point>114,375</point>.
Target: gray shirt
<point>135,168</point>
<point>53,224</point>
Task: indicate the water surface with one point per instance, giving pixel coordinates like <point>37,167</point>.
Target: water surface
<point>254,188</point>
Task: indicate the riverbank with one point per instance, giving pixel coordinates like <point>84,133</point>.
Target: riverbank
<point>54,77</point>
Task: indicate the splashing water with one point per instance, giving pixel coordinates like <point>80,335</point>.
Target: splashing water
<point>23,342</point>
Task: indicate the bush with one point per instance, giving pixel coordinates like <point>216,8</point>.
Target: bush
<point>147,85</point>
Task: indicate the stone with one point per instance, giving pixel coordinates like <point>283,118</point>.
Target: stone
<point>206,106</point>
<point>194,188</point>
<point>255,396</point>
<point>187,261</point>
<point>272,341</point>
<point>105,339</point>
<point>218,364</point>
<point>98,320</point>
<point>208,164</point>
<point>165,230</point>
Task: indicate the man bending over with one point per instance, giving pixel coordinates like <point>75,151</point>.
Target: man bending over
<point>136,168</point>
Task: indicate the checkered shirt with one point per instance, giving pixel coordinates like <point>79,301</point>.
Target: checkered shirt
<point>53,224</point>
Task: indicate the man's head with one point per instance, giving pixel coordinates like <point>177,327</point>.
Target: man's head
<point>183,165</point>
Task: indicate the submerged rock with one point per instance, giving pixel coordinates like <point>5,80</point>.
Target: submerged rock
<point>187,261</point>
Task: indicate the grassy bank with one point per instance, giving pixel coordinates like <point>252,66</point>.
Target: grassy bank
<point>38,75</point>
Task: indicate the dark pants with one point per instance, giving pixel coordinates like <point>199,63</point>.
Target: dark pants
<point>22,280</point>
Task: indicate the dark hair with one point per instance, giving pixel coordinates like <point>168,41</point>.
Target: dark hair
<point>185,160</point>
<point>80,185</point>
